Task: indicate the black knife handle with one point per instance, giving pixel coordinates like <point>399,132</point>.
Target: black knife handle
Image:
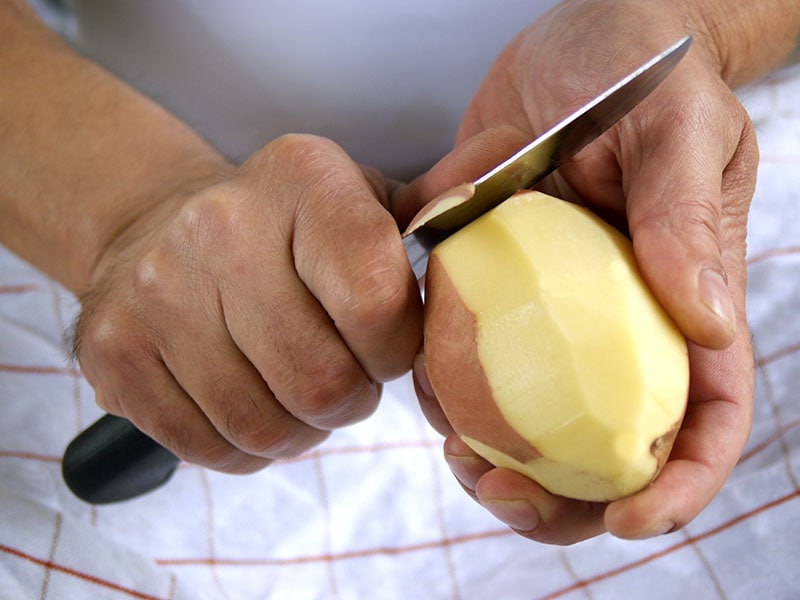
<point>112,461</point>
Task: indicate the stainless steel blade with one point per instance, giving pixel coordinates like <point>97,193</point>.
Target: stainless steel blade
<point>418,247</point>
<point>467,202</point>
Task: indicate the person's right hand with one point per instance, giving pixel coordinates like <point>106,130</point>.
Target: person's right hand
<point>243,320</point>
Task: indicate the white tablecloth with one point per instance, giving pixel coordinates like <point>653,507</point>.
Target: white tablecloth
<point>375,513</point>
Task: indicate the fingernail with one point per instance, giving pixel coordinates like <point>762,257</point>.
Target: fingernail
<point>466,469</point>
<point>660,529</point>
<point>421,376</point>
<point>517,514</point>
<point>665,528</point>
<point>715,295</point>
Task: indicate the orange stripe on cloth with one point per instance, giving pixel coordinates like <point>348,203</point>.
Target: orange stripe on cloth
<point>585,583</point>
<point>353,554</point>
<point>38,370</point>
<point>78,574</point>
<point>21,288</point>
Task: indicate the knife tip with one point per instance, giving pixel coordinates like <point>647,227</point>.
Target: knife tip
<point>440,205</point>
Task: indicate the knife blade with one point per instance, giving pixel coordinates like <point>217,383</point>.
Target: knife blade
<point>112,461</point>
<point>465,203</point>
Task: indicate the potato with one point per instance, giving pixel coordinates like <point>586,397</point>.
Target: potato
<point>548,353</point>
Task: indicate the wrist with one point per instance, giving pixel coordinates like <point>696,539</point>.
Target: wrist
<point>83,156</point>
<point>139,210</point>
<point>743,40</point>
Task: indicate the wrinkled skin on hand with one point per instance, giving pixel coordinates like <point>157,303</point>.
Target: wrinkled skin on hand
<point>241,320</point>
<point>677,174</point>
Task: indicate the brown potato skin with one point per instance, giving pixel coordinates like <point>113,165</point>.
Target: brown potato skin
<point>662,447</point>
<point>455,371</point>
<point>461,385</point>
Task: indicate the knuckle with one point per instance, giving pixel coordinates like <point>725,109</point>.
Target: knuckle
<point>212,217</point>
<point>378,295</point>
<point>333,396</point>
<point>265,439</point>
<point>693,214</point>
<point>172,434</point>
<point>112,345</point>
<point>697,216</point>
<point>190,443</point>
<point>153,281</point>
<point>272,440</point>
<point>219,456</point>
<point>739,177</point>
<point>252,433</point>
<point>185,442</point>
<point>173,274</point>
<point>206,224</point>
<point>322,174</point>
<point>248,425</point>
<point>304,151</point>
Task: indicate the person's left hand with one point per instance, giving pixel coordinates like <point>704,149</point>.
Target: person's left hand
<point>677,174</point>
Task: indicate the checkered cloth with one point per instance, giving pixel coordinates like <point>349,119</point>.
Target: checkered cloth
<point>374,513</point>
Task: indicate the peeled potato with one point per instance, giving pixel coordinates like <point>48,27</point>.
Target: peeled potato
<point>548,353</point>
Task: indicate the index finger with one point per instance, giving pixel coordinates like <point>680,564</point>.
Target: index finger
<point>348,252</point>
<point>466,162</point>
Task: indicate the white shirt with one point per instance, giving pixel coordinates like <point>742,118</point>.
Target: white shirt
<point>386,80</point>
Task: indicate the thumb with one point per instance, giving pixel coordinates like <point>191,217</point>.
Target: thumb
<point>688,198</point>
<point>465,163</point>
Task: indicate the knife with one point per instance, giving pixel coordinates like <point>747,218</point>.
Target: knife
<point>112,461</point>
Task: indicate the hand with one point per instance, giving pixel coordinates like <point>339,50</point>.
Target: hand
<point>242,320</point>
<point>678,174</point>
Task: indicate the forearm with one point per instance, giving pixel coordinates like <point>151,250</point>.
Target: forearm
<point>747,37</point>
<point>794,57</point>
<point>81,154</point>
